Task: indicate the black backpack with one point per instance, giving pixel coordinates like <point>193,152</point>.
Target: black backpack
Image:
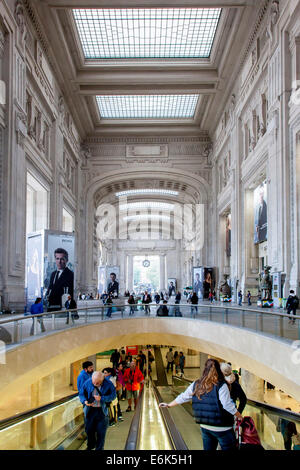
<point>295,302</point>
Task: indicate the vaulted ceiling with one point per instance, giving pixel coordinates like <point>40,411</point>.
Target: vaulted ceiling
<point>145,68</point>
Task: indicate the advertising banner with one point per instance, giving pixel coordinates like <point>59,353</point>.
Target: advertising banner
<point>260,214</point>
<point>34,268</point>
<point>172,286</point>
<point>198,276</point>
<point>112,280</point>
<point>59,261</point>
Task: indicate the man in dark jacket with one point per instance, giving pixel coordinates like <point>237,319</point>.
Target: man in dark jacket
<point>292,304</point>
<point>70,305</point>
<point>61,280</point>
<point>115,358</point>
<point>95,394</point>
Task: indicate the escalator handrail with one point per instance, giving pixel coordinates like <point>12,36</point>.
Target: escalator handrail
<point>135,427</point>
<point>174,434</point>
<point>282,413</point>
<point>13,420</point>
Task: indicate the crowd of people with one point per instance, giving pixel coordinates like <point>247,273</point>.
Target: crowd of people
<point>101,392</point>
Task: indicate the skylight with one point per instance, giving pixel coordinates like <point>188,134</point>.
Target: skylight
<point>147,33</point>
<point>147,106</point>
<point>134,192</point>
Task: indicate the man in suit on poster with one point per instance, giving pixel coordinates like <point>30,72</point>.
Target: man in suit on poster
<point>61,280</point>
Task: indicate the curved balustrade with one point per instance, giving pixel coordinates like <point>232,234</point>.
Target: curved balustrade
<point>20,329</point>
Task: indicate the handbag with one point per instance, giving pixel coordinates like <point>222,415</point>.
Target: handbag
<point>296,441</point>
<point>248,435</point>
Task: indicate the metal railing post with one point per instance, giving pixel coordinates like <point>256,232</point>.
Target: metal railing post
<point>281,326</point>
<point>86,316</point>
<point>53,321</point>
<point>16,331</point>
<point>34,326</point>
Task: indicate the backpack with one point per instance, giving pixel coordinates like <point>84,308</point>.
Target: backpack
<point>295,302</point>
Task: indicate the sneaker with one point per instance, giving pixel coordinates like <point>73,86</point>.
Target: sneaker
<point>128,409</point>
<point>120,418</point>
<point>112,424</point>
<point>123,399</point>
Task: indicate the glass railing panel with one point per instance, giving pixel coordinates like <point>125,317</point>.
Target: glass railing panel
<point>270,426</point>
<point>44,430</point>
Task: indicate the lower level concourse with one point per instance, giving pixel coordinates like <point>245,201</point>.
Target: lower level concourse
<point>149,205</point>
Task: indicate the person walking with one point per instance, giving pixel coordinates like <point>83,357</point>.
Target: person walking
<point>110,374</point>
<point>95,393</point>
<point>115,358</point>
<point>194,301</point>
<point>249,297</point>
<point>212,406</point>
<point>36,308</point>
<point>157,298</point>
<point>288,430</point>
<point>131,302</point>
<point>176,362</point>
<point>170,360</point>
<point>120,388</point>
<point>240,296</point>
<point>85,374</point>
<point>181,363</point>
<point>211,296</point>
<point>70,304</point>
<point>178,297</point>
<point>133,377</point>
<point>291,305</point>
<point>109,310</point>
<point>146,301</point>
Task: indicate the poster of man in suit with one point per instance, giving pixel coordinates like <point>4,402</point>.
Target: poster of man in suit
<point>198,281</point>
<point>112,281</point>
<point>261,214</point>
<point>59,270</point>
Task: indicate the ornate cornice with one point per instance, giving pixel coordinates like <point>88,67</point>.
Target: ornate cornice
<point>203,137</point>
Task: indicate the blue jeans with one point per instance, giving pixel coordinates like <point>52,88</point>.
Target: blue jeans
<point>194,309</point>
<point>131,311</point>
<point>226,439</point>
<point>95,427</point>
<point>109,310</point>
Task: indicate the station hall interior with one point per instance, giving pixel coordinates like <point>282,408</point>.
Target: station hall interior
<point>149,183</point>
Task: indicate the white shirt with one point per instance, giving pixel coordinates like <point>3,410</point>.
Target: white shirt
<point>224,397</point>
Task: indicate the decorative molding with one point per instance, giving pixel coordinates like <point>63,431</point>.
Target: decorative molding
<point>203,137</point>
<point>148,151</point>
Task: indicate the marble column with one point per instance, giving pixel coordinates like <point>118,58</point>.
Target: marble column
<point>252,385</point>
<point>162,272</point>
<point>129,280</point>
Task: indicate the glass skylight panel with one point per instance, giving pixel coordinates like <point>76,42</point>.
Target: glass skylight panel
<point>134,192</point>
<point>147,33</point>
<point>147,106</point>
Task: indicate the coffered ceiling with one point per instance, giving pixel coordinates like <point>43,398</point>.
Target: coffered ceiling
<point>145,68</point>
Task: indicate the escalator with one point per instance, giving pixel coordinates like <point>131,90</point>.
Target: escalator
<point>60,426</point>
<point>268,419</point>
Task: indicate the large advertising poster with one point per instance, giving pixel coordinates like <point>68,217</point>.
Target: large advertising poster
<point>260,215</point>
<point>101,279</point>
<point>171,286</point>
<point>198,281</point>
<point>59,261</point>
<point>34,268</point>
<point>112,280</point>
<point>228,235</point>
<point>208,282</point>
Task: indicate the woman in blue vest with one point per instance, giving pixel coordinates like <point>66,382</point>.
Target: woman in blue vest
<point>213,408</point>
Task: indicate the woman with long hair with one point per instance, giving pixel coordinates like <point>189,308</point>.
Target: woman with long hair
<point>212,406</point>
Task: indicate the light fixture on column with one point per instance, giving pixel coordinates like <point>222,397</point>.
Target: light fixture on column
<point>146,262</point>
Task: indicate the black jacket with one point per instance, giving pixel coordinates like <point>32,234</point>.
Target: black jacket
<point>56,291</point>
<point>236,392</point>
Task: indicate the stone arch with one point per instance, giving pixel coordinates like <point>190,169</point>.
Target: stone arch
<point>197,187</point>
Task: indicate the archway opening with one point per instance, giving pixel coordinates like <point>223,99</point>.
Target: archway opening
<point>146,273</point>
